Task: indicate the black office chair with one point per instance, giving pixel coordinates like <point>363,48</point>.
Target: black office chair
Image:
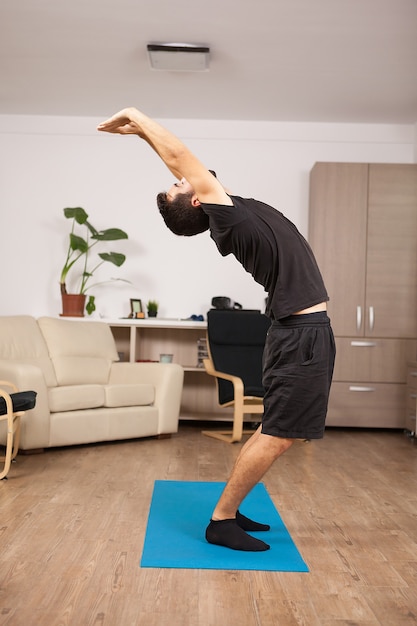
<point>12,407</point>
<point>235,343</point>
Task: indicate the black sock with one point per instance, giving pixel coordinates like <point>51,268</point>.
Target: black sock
<point>247,524</point>
<point>227,533</point>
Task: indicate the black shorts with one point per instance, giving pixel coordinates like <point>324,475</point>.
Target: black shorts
<point>297,372</point>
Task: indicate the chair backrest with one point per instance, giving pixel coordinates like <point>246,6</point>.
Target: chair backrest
<point>236,341</point>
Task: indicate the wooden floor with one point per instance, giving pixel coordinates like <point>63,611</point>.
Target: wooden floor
<point>73,522</point>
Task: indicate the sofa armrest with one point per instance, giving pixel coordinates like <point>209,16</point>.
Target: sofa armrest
<point>35,424</point>
<point>167,378</point>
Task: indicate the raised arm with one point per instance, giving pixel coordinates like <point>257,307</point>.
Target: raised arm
<point>173,152</point>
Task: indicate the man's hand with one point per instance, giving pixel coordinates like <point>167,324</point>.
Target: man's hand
<point>126,122</point>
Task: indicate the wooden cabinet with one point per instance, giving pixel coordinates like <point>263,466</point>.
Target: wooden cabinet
<point>411,398</point>
<point>146,339</point>
<point>363,230</point>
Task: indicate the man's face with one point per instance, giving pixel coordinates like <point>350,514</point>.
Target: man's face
<point>183,186</point>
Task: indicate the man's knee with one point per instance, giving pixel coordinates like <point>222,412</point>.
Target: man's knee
<point>278,445</point>
<point>285,443</point>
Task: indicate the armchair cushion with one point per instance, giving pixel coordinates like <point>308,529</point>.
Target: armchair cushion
<point>21,401</point>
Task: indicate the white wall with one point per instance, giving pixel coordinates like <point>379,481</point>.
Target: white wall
<point>49,163</point>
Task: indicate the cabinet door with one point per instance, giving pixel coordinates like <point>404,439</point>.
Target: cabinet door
<point>338,234</point>
<point>391,282</point>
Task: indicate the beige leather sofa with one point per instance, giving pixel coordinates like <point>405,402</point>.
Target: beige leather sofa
<point>84,394</point>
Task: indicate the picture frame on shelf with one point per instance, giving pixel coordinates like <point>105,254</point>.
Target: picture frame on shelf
<point>136,309</point>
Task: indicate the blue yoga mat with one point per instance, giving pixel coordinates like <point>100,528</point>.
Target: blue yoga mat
<point>179,514</point>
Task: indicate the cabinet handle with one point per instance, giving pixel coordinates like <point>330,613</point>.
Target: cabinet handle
<point>413,396</point>
<point>359,388</point>
<point>413,374</point>
<point>371,317</point>
<point>358,318</point>
<point>363,344</point>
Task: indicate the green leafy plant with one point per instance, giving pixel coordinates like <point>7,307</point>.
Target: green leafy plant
<point>152,306</point>
<point>79,249</point>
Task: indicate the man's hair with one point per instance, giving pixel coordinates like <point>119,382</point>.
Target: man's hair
<point>181,217</point>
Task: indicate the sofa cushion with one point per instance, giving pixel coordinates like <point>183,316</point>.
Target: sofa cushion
<point>74,397</point>
<point>129,395</point>
<point>21,340</point>
<point>81,351</point>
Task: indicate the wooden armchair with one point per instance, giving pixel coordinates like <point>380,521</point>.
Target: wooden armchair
<point>235,343</point>
<point>13,405</point>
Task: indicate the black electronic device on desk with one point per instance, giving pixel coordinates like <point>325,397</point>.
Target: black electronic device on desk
<point>222,303</point>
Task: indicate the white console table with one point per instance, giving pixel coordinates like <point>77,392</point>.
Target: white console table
<point>146,339</point>
<point>150,337</point>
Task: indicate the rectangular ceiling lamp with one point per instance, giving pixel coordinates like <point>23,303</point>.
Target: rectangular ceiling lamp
<point>179,57</point>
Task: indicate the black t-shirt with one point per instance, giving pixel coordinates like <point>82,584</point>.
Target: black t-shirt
<point>270,248</point>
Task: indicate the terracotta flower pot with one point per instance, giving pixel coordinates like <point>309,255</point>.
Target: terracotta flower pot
<point>73,304</point>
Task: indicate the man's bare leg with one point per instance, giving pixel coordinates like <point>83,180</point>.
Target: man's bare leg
<point>254,460</point>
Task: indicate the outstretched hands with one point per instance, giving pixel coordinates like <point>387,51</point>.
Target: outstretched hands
<point>126,122</point>
<point>176,156</point>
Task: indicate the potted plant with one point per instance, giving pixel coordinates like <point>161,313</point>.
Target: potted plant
<point>152,307</point>
<point>79,249</point>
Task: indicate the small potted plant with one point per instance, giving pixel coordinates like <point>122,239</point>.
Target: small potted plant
<point>152,307</point>
<point>79,249</point>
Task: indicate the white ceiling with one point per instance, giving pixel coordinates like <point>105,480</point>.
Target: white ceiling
<point>285,60</point>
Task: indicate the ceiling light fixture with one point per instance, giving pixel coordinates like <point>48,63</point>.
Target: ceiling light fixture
<point>180,57</point>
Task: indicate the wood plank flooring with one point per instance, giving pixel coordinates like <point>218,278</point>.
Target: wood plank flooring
<point>73,521</point>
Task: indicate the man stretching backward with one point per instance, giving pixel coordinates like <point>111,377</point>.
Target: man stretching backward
<point>299,350</point>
